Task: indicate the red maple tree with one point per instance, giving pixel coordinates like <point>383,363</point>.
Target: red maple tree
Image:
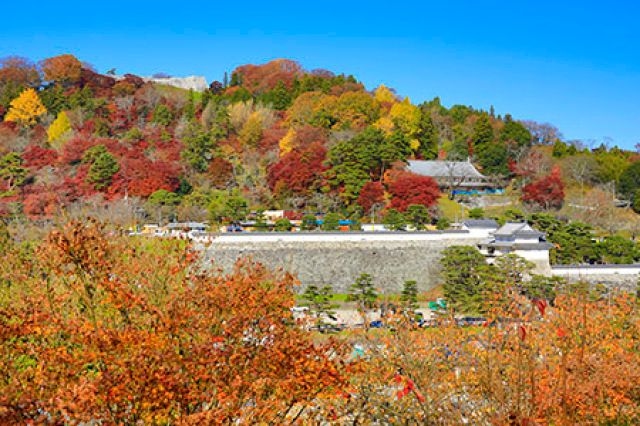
<point>410,188</point>
<point>370,194</point>
<point>547,192</point>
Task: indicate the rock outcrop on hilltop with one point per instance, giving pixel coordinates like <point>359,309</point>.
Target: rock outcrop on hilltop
<point>193,82</point>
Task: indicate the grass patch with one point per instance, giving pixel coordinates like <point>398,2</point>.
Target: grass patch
<point>336,298</point>
<point>451,209</point>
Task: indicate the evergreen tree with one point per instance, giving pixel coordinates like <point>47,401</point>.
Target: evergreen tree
<point>162,115</point>
<point>261,222</point>
<point>515,132</point>
<point>363,293</point>
<point>442,223</point>
<point>630,181</point>
<point>418,216</point>
<point>198,146</point>
<point>279,97</point>
<point>308,222</point>
<point>162,197</point>
<point>494,158</point>
<point>464,288</point>
<point>476,213</point>
<point>394,220</point>
<point>331,222</point>
<point>482,133</point>
<point>54,99</point>
<point>320,302</point>
<point>102,170</point>
<point>428,136</point>
<point>283,225</point>
<point>12,173</point>
<point>91,154</point>
<point>409,297</point>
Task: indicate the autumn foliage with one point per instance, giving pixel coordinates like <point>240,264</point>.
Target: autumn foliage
<point>97,329</point>
<point>299,171</point>
<point>26,108</point>
<point>372,193</point>
<point>546,192</point>
<point>62,68</point>
<point>409,188</point>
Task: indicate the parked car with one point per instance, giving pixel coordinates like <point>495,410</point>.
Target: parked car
<point>376,324</point>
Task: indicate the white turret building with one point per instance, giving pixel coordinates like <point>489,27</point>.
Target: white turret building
<point>521,239</point>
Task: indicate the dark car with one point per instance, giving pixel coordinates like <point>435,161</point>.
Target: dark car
<point>376,324</point>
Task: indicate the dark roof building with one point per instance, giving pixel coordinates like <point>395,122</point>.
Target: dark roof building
<point>452,174</point>
<point>480,224</point>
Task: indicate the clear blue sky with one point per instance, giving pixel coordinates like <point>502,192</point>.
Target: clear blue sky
<point>575,64</point>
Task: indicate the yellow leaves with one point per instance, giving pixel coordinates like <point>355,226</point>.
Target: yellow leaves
<point>251,131</point>
<point>59,131</point>
<point>406,117</point>
<point>286,144</point>
<point>302,110</point>
<point>383,95</point>
<point>26,108</point>
<point>385,124</point>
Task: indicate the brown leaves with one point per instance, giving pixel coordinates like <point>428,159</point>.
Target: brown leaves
<point>114,331</point>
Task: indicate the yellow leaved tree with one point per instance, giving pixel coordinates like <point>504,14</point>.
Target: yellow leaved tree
<point>384,95</point>
<point>287,143</point>
<point>59,131</point>
<point>26,108</point>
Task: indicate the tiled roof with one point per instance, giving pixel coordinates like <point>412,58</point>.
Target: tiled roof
<point>448,169</point>
<point>481,223</point>
<point>516,228</point>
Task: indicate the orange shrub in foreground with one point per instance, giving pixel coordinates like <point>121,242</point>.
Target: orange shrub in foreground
<point>119,332</point>
<point>134,332</point>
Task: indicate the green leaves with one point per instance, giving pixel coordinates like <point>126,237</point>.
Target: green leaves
<point>198,146</point>
<point>12,173</point>
<point>462,271</point>
<point>102,170</point>
<point>363,293</point>
<point>320,302</point>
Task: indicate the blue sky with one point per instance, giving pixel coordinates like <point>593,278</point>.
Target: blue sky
<point>575,65</point>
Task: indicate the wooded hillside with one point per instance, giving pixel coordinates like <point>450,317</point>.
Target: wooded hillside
<point>269,136</point>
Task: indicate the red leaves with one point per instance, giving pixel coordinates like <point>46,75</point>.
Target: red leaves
<point>522,332</point>
<point>262,78</point>
<point>410,189</point>
<point>370,194</point>
<point>36,157</point>
<point>541,304</point>
<point>561,333</point>
<point>298,171</point>
<point>547,192</point>
<point>408,386</point>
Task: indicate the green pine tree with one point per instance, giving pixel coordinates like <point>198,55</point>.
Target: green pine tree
<point>102,170</point>
<point>320,302</point>
<point>409,296</point>
<point>363,293</point>
<point>463,268</point>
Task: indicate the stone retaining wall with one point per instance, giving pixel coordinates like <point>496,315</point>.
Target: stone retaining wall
<point>338,261</point>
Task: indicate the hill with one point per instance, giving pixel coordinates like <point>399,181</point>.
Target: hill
<point>275,136</point>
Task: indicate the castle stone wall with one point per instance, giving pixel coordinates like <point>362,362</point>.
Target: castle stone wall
<point>338,259</point>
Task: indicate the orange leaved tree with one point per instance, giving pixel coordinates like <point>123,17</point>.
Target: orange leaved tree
<point>99,328</point>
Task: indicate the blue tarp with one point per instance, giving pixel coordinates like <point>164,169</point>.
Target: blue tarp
<point>478,192</point>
